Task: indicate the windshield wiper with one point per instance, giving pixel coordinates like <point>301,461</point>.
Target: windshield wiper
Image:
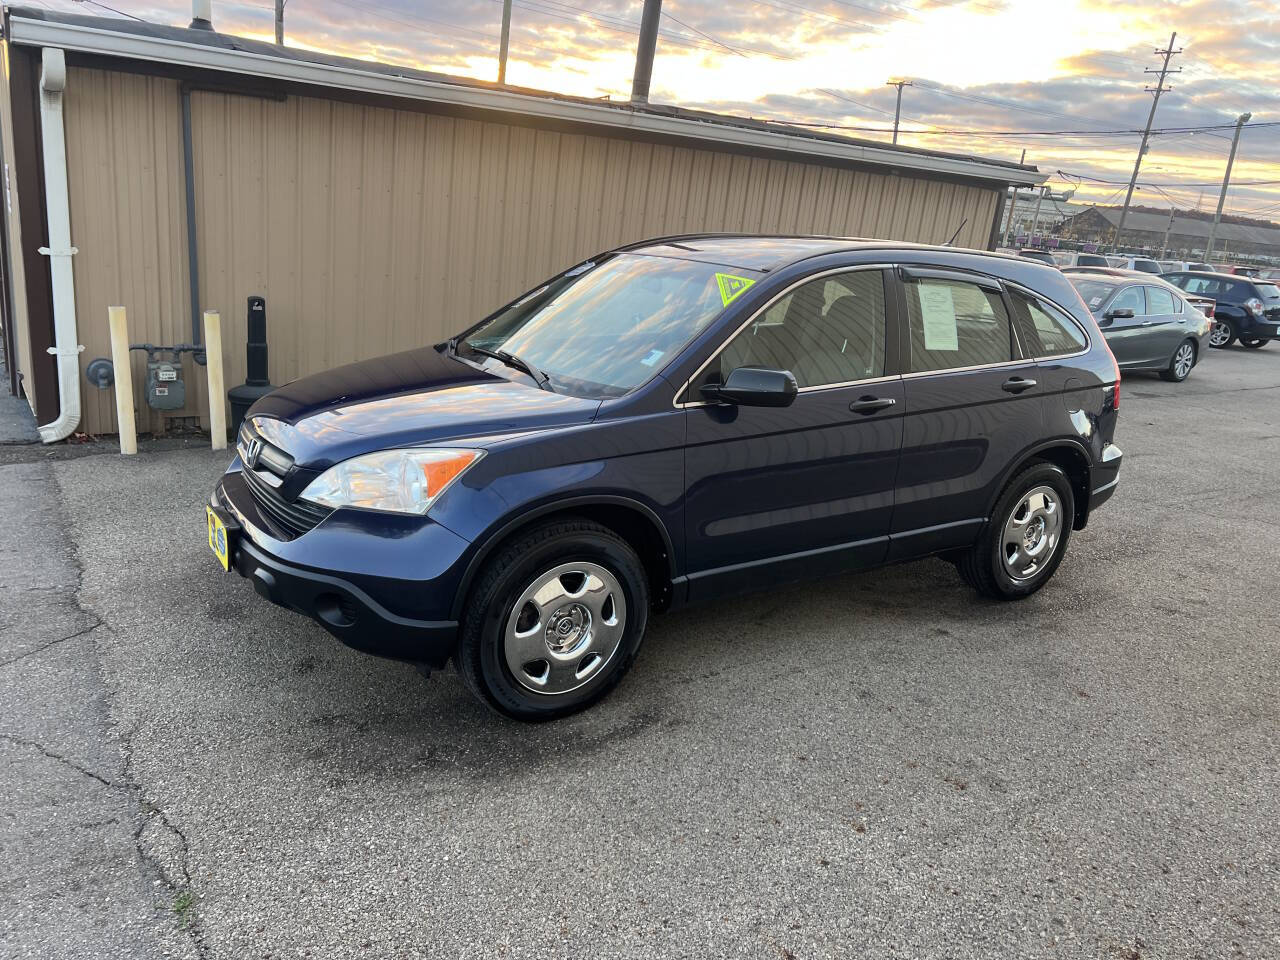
<point>518,363</point>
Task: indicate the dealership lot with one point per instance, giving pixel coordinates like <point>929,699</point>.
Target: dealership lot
<point>876,765</point>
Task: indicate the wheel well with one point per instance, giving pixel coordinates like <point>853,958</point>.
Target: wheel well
<point>1076,466</point>
<point>629,523</point>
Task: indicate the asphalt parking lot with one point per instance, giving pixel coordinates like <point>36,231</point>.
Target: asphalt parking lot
<point>873,766</point>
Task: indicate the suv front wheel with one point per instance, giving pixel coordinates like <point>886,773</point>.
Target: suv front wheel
<point>1023,542</point>
<point>554,620</point>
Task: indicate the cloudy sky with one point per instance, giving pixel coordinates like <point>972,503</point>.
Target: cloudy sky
<point>985,73</point>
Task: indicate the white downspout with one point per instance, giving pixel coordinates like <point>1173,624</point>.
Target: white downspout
<point>53,80</point>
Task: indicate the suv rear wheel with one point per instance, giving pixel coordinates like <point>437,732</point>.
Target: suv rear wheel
<point>554,620</point>
<point>1023,542</point>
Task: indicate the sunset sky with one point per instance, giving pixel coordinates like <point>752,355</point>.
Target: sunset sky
<point>977,65</point>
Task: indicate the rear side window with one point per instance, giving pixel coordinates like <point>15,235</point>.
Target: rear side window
<point>1159,301</point>
<point>955,324</point>
<point>1205,286</point>
<point>1043,329</point>
<point>829,330</point>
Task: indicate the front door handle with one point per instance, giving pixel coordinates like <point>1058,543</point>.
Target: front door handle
<point>870,404</point>
<point>1017,385</point>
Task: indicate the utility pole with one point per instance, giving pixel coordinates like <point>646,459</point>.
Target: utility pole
<point>280,22</point>
<point>897,111</point>
<point>505,43</point>
<point>1164,247</point>
<point>1008,224</point>
<point>1226,182</point>
<point>1159,88</point>
<point>1035,219</point>
<point>645,48</point>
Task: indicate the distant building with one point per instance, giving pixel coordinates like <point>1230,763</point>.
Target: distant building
<point>1187,235</point>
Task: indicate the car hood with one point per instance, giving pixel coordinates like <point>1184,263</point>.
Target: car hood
<point>404,399</point>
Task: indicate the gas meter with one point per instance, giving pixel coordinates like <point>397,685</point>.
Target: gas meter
<point>165,389</point>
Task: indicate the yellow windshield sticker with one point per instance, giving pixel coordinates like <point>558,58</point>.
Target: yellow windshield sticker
<point>731,287</point>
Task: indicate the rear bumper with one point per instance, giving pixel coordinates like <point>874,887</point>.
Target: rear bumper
<point>1105,476</point>
<point>335,603</point>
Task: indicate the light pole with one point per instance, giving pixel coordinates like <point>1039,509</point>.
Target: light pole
<point>1226,182</point>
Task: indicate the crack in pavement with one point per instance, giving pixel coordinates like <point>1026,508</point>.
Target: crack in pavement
<point>53,643</point>
<point>151,813</point>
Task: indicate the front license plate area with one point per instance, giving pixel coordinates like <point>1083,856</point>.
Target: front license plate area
<point>220,536</point>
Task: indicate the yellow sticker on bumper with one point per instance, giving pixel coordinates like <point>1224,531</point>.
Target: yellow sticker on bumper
<point>732,287</point>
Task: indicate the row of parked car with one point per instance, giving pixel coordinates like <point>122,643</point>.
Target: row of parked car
<point>1143,264</point>
<point>1160,314</point>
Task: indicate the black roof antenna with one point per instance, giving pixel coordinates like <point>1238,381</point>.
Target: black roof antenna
<point>957,233</point>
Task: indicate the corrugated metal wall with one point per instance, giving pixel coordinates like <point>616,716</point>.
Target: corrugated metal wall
<point>370,230</point>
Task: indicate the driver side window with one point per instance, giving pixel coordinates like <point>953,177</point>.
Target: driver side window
<point>1130,298</point>
<point>827,331</point>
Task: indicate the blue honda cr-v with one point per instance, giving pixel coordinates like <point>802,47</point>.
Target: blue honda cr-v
<point>668,422</point>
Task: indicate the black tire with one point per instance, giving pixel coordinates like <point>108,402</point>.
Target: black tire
<point>481,654</point>
<point>983,566</point>
<point>1254,344</point>
<point>1173,373</point>
<point>1216,331</point>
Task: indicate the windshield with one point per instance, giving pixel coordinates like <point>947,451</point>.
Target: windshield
<point>1093,292</point>
<point>608,329</point>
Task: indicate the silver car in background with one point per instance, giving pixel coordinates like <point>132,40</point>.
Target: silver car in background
<point>1147,323</point>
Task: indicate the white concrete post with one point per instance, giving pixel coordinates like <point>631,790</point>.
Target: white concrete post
<point>217,388</point>
<point>119,324</point>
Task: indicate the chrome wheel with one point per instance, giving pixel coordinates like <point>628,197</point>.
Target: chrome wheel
<point>1219,334</point>
<point>565,627</point>
<point>1184,360</point>
<point>1031,533</point>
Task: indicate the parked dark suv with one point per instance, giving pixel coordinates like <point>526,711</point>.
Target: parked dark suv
<point>667,422</point>
<point>1247,309</point>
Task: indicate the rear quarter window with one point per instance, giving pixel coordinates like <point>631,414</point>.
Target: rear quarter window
<point>1043,329</point>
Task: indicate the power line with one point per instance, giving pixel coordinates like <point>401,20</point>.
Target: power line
<point>960,131</point>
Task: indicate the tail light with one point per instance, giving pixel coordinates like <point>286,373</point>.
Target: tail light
<point>1210,310</point>
<point>1254,306</point>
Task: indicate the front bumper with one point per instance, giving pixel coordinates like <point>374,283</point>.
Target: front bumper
<point>1105,476</point>
<point>337,603</point>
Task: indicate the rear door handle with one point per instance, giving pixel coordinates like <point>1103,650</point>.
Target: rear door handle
<point>869,404</point>
<point>1017,385</point>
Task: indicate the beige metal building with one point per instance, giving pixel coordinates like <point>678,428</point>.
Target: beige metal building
<point>375,208</point>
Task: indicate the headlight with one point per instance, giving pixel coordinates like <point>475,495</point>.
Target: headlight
<point>401,481</point>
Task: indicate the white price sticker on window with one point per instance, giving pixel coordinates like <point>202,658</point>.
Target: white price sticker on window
<point>938,316</point>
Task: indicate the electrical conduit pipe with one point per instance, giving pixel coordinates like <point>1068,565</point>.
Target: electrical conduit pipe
<point>66,348</point>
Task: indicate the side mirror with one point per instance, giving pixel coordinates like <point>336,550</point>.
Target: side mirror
<point>754,387</point>
<point>1123,313</point>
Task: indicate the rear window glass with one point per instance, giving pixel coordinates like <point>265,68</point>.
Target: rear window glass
<point>1268,291</point>
<point>1205,286</point>
<point>956,324</point>
<point>1091,260</point>
<point>1043,329</point>
<point>1159,301</point>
